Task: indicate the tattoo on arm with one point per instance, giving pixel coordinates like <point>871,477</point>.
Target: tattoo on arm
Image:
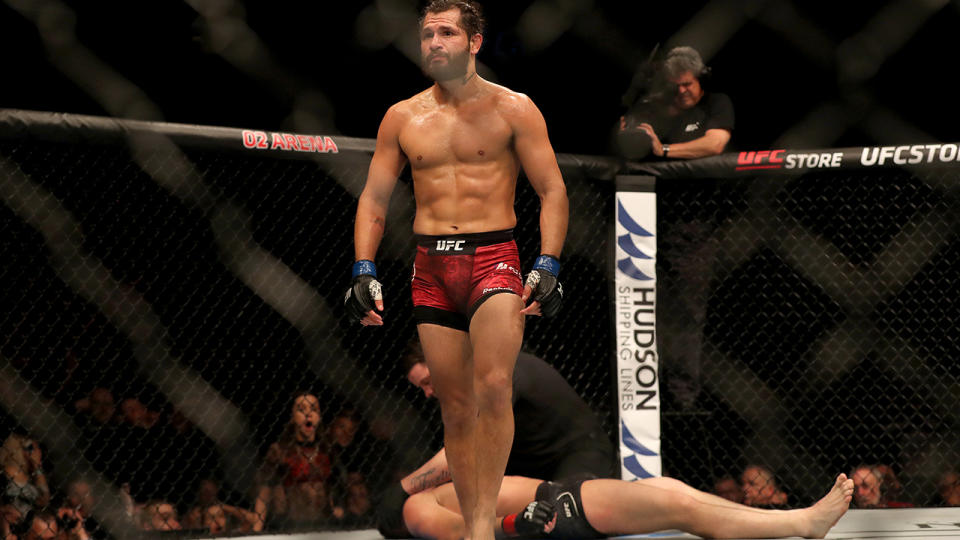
<point>431,478</point>
<point>379,222</point>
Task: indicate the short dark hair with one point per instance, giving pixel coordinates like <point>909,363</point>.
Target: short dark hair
<point>389,512</point>
<point>471,14</point>
<point>412,355</point>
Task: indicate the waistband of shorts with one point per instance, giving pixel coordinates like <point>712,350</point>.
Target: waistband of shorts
<point>471,239</point>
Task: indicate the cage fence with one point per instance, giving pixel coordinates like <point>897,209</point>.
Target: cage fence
<point>160,334</point>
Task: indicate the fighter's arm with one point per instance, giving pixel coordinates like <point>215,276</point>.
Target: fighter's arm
<point>364,300</point>
<point>539,163</point>
<point>385,167</point>
<point>432,473</point>
<point>425,517</point>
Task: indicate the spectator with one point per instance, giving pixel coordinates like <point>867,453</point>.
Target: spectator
<point>347,457</point>
<point>224,518</point>
<point>360,452</point>
<point>104,436</point>
<point>81,499</point>
<point>42,526</point>
<point>876,486</point>
<point>99,407</point>
<point>949,488</point>
<point>211,513</point>
<point>159,515</point>
<point>291,483</point>
<point>344,441</point>
<point>729,488</point>
<point>71,524</point>
<point>761,489</point>
<point>207,494</point>
<point>387,464</point>
<point>892,488</point>
<point>356,511</point>
<point>25,483</point>
<point>557,434</point>
<point>197,456</point>
<point>675,117</point>
<point>11,518</point>
<point>80,496</point>
<point>136,414</point>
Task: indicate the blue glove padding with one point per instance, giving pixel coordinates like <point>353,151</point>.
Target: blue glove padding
<point>364,290</point>
<point>543,282</point>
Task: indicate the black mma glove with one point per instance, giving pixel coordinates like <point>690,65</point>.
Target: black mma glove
<point>535,520</point>
<point>543,281</point>
<point>364,290</point>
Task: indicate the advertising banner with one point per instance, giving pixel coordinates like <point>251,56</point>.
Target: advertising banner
<point>635,299</point>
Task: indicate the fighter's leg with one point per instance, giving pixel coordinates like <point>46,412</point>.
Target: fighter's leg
<point>448,356</point>
<point>676,485</point>
<point>617,507</point>
<point>496,333</point>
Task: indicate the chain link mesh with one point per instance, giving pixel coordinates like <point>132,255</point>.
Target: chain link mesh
<point>165,308</point>
<point>166,305</point>
<point>805,329</point>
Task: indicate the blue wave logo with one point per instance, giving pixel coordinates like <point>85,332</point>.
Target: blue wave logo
<point>625,242</point>
<point>631,463</point>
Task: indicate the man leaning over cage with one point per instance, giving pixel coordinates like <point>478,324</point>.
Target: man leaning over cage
<point>671,115</point>
<point>465,140</point>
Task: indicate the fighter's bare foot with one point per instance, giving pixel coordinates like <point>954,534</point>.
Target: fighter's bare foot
<point>827,511</point>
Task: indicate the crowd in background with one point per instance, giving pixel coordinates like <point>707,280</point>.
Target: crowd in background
<point>320,473</point>
<point>159,472</point>
<point>875,486</point>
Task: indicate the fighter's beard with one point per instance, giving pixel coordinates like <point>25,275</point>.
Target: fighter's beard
<point>462,76</point>
<point>456,68</point>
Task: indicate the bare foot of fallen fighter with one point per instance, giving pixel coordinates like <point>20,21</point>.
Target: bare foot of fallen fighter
<point>827,511</point>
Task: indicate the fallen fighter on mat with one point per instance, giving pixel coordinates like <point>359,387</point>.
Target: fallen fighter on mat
<point>598,508</point>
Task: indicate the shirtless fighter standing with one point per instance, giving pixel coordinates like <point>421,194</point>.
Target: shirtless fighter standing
<point>465,139</point>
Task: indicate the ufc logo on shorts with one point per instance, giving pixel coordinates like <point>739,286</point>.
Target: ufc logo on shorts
<point>450,245</point>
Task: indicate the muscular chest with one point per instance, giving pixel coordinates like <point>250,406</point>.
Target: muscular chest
<point>449,136</point>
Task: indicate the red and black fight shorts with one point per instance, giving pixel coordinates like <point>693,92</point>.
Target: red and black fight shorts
<point>454,275</point>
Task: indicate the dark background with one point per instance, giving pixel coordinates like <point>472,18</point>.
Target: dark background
<point>785,64</point>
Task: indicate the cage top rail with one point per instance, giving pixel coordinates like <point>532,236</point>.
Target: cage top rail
<point>75,128</point>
